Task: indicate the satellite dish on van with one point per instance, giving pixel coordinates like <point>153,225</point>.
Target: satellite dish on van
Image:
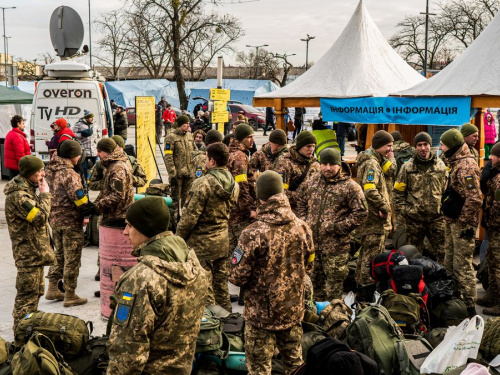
<point>66,31</point>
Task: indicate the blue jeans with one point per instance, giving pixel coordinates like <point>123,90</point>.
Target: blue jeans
<point>484,246</point>
<point>85,165</point>
<point>341,142</point>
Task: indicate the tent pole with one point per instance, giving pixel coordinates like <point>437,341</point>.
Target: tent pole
<point>280,115</point>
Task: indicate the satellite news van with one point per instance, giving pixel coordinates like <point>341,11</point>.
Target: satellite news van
<point>69,87</point>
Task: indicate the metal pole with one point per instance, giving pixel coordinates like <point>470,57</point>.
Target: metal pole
<point>4,47</point>
<point>307,54</point>
<point>426,37</point>
<point>90,40</point>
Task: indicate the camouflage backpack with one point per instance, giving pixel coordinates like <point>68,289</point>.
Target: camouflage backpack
<point>39,357</point>
<point>3,351</point>
<point>405,310</point>
<point>335,318</point>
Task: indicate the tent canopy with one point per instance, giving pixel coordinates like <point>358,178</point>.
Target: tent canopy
<point>124,92</point>
<point>242,90</point>
<point>11,96</point>
<point>361,63</point>
<point>475,72</point>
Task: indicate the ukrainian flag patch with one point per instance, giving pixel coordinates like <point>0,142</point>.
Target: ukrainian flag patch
<point>127,296</point>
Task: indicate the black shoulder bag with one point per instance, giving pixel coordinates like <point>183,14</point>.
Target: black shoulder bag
<point>452,202</point>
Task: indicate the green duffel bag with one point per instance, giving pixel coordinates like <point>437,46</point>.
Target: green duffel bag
<point>490,343</point>
<point>39,357</point>
<point>94,359</point>
<point>448,313</point>
<point>69,334</point>
<point>211,338</point>
<point>436,336</point>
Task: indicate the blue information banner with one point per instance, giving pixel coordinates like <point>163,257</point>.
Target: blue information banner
<point>448,111</point>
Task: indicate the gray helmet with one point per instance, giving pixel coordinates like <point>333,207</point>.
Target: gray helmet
<point>410,252</point>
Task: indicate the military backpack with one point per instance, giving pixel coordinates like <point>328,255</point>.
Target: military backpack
<point>448,313</point>
<point>211,338</point>
<point>335,318</point>
<point>406,310</point>
<point>39,357</point>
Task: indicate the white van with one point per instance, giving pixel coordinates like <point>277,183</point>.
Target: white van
<point>68,89</point>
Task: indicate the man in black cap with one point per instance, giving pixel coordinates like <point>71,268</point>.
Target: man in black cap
<point>373,165</point>
<point>417,197</point>
<point>264,159</point>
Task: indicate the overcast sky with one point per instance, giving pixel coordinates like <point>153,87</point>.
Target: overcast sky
<point>279,23</point>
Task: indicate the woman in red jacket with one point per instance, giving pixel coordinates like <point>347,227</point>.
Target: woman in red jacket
<point>16,146</point>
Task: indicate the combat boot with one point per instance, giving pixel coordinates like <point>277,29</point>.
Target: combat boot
<point>71,299</point>
<point>53,294</point>
<point>492,311</point>
<point>487,301</point>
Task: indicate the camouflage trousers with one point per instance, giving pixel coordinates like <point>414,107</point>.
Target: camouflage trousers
<point>235,230</point>
<point>180,191</point>
<point>30,287</point>
<point>217,277</point>
<point>493,256</point>
<point>68,250</point>
<point>371,245</point>
<point>434,230</point>
<point>330,271</point>
<point>458,261</point>
<point>260,345</point>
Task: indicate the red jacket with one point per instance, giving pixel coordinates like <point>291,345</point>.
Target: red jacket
<point>16,146</point>
<point>169,115</point>
<point>65,134</point>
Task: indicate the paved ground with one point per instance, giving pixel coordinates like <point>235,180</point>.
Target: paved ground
<point>86,283</point>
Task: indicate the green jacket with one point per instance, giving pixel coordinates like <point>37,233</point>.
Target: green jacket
<point>179,147</point>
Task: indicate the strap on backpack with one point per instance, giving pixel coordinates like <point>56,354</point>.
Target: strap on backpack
<point>365,334</point>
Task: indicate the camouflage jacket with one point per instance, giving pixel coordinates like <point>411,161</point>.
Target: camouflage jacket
<point>264,160</point>
<point>179,147</point>
<point>492,200</point>
<point>464,179</point>
<point>204,220</point>
<point>139,178</point>
<point>372,167</point>
<point>199,161</point>
<point>68,195</point>
<point>332,209</point>
<point>291,166</point>
<point>27,214</point>
<point>116,194</point>
<point>159,306</point>
<point>474,153</point>
<point>418,188</point>
<point>270,262</point>
<point>238,166</point>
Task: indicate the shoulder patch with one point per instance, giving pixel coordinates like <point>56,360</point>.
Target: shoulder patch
<point>124,309</point>
<point>199,172</point>
<point>167,145</point>
<point>469,182</point>
<point>27,206</point>
<point>80,193</point>
<point>237,255</point>
<point>118,186</point>
<point>371,175</point>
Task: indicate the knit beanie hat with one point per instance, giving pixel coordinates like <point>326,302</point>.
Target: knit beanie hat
<point>107,145</point>
<point>396,136</point>
<point>62,123</point>
<point>181,120</point>
<point>149,215</point>
<point>87,114</point>
<point>381,138</point>
<point>468,129</point>
<point>452,138</point>
<point>242,131</point>
<point>118,140</point>
<point>29,165</point>
<point>70,149</point>
<point>278,136</point>
<point>422,137</point>
<point>304,138</point>
<point>269,183</point>
<point>330,156</point>
<point>495,150</point>
<point>213,136</point>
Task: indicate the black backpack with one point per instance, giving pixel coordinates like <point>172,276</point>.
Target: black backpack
<point>383,264</point>
<point>402,157</point>
<point>433,271</point>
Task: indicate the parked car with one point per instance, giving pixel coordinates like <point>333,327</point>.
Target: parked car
<point>204,104</point>
<point>130,111</point>
<point>256,118</point>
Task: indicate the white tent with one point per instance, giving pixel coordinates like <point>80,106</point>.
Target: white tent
<point>360,63</point>
<point>475,72</point>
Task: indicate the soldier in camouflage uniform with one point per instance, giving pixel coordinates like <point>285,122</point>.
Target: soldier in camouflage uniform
<point>199,157</point>
<point>179,147</point>
<point>297,166</point>
<point>372,166</point>
<point>70,212</point>
<point>159,302</point>
<point>460,231</point>
<point>471,136</point>
<point>265,158</point>
<point>402,150</point>
<point>333,205</point>
<point>244,212</point>
<point>116,193</point>
<point>139,178</point>
<point>204,222</point>
<point>27,215</point>
<point>417,197</point>
<point>270,263</point>
<point>491,220</point>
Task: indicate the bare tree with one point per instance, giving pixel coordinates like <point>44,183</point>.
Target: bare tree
<point>112,45</point>
<point>286,65</point>
<point>272,66</point>
<point>48,57</point>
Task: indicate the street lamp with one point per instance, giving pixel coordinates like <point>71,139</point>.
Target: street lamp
<point>307,48</point>
<point>90,40</point>
<point>7,53</point>
<point>257,57</point>
<point>5,42</point>
<point>427,14</point>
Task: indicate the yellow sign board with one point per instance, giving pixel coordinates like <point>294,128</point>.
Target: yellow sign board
<point>220,94</point>
<point>220,106</point>
<point>145,136</point>
<point>218,117</point>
